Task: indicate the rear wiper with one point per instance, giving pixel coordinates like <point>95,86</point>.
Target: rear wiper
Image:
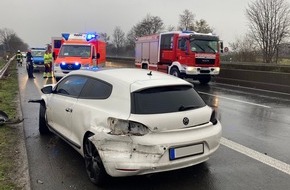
<point>183,108</point>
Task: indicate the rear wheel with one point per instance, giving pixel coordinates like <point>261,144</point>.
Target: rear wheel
<point>175,72</point>
<point>94,165</point>
<point>43,129</point>
<point>204,79</point>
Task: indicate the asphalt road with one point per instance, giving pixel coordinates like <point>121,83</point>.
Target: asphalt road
<point>254,152</point>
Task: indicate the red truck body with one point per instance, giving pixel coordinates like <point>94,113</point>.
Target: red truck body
<point>182,54</point>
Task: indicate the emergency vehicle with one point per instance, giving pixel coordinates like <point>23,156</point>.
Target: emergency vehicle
<point>56,43</point>
<point>184,54</point>
<point>79,51</point>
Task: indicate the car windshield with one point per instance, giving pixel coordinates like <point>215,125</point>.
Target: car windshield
<point>37,53</point>
<point>165,100</point>
<point>75,51</point>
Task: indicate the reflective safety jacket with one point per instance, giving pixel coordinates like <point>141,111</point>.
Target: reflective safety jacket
<point>18,56</point>
<point>47,58</point>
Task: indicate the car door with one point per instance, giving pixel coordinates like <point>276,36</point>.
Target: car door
<point>182,53</point>
<point>89,111</point>
<point>62,102</point>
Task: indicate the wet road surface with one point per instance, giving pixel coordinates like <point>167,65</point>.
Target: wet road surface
<point>254,151</point>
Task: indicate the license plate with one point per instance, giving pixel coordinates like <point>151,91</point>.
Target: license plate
<point>185,151</point>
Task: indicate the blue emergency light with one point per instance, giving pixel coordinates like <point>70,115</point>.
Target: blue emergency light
<point>65,35</point>
<point>91,36</point>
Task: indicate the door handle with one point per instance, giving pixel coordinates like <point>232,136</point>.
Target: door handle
<point>68,110</point>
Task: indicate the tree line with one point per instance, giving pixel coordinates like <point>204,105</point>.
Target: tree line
<point>10,42</point>
<point>123,44</point>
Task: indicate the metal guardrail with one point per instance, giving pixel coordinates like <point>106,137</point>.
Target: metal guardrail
<point>4,69</point>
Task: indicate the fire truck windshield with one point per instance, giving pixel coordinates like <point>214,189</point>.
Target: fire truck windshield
<point>207,46</point>
<point>75,51</point>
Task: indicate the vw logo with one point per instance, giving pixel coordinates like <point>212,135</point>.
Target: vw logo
<point>185,121</point>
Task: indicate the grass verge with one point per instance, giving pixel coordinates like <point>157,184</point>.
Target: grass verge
<point>9,134</point>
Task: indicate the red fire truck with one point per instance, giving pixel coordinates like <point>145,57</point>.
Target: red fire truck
<point>56,43</point>
<point>79,51</point>
<point>182,54</point>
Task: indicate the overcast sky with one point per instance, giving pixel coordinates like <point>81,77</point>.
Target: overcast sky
<point>36,21</point>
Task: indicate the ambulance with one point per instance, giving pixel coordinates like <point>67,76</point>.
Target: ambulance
<point>79,51</point>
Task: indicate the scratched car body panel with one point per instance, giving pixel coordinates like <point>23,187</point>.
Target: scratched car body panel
<point>139,122</point>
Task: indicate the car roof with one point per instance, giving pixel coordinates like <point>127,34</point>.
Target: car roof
<point>136,78</point>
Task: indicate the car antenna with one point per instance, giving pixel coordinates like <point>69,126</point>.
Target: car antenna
<point>150,73</point>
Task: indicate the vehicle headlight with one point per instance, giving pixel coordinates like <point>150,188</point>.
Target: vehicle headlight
<point>125,127</point>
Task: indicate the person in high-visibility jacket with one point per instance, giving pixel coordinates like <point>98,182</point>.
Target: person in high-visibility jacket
<point>19,58</point>
<point>48,62</point>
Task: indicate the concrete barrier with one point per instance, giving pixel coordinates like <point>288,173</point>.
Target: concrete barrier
<point>260,76</point>
<point>255,75</point>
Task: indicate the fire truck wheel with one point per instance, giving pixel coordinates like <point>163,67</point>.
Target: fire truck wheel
<point>175,72</point>
<point>204,79</point>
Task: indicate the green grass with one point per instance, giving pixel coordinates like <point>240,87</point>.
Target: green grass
<point>8,134</point>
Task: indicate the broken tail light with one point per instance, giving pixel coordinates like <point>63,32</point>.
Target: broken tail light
<point>126,127</point>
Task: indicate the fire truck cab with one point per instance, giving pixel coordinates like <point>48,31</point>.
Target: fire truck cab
<point>184,54</point>
<point>56,44</point>
<point>79,51</point>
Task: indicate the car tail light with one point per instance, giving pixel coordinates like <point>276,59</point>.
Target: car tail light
<point>125,127</point>
<point>213,117</point>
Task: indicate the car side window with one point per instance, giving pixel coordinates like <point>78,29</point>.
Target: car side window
<point>96,89</point>
<point>71,86</point>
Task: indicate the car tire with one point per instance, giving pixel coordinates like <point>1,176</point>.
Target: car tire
<point>93,163</point>
<point>175,72</point>
<point>43,129</point>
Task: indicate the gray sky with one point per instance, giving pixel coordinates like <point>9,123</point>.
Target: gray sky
<point>36,21</point>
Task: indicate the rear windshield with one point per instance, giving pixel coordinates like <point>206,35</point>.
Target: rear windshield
<point>165,100</point>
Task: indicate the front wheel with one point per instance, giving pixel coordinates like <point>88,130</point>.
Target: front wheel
<point>43,129</point>
<point>94,165</point>
<point>175,72</point>
<point>204,79</point>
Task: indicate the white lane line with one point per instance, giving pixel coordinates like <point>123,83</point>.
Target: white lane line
<point>241,101</point>
<point>279,165</point>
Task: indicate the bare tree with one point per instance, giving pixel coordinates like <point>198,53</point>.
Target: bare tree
<point>170,28</point>
<point>149,25</point>
<point>202,26</point>
<point>11,42</point>
<point>269,22</point>
<point>186,20</point>
<point>118,38</point>
<point>244,49</point>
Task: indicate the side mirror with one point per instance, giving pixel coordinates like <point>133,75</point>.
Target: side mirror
<point>47,90</point>
<point>221,46</point>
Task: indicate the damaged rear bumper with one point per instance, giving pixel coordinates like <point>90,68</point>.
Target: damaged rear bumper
<point>138,155</point>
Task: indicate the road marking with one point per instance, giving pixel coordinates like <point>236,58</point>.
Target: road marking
<point>241,101</point>
<point>279,165</point>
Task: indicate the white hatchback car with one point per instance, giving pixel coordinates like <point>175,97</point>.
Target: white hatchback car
<point>130,121</point>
